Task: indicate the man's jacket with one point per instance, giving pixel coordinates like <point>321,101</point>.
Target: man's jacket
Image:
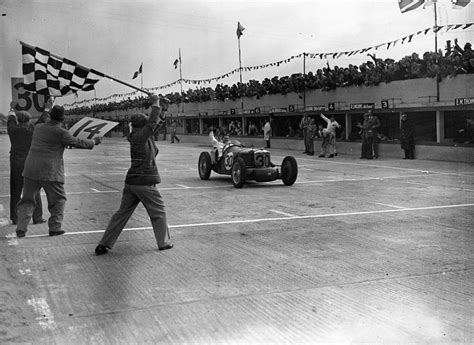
<point>143,151</point>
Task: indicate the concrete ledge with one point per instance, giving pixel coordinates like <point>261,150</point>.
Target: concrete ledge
<point>386,150</point>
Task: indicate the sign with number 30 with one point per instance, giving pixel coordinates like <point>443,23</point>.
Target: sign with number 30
<point>88,128</point>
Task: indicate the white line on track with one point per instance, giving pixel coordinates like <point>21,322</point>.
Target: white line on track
<point>388,167</point>
<point>360,179</point>
<point>260,220</point>
<point>283,213</point>
<point>96,190</point>
<point>183,187</point>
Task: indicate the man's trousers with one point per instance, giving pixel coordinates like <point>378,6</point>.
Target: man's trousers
<point>16,186</point>
<point>132,195</point>
<point>55,195</point>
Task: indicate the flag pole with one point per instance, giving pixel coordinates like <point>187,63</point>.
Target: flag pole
<point>240,70</point>
<point>436,44</point>
<point>304,81</point>
<point>141,76</point>
<point>181,81</point>
<point>103,74</point>
<point>436,25</point>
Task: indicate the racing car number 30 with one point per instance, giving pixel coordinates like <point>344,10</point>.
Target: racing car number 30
<point>262,160</point>
<point>229,160</point>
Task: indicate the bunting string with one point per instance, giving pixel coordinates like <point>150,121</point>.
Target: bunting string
<point>326,55</point>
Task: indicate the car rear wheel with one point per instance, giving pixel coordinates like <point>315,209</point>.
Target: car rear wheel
<point>289,170</point>
<point>238,173</point>
<point>204,165</point>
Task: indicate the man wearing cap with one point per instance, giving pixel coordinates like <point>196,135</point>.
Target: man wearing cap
<point>44,168</point>
<point>20,131</point>
<point>141,181</point>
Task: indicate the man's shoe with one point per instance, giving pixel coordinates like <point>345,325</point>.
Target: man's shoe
<point>335,154</point>
<point>13,222</point>
<point>20,233</point>
<point>56,233</point>
<point>165,247</point>
<point>101,250</point>
<point>321,156</point>
<point>40,221</point>
<point>331,156</point>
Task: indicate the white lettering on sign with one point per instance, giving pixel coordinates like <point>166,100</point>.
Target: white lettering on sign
<point>362,105</point>
<point>464,101</point>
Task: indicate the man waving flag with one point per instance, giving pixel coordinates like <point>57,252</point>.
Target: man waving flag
<point>50,75</point>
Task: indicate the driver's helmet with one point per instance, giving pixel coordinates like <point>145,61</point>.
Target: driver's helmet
<point>226,139</point>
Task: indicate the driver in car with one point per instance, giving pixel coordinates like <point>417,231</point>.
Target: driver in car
<point>218,145</point>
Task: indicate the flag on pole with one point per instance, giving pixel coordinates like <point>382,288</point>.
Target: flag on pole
<point>240,30</point>
<point>50,75</point>
<point>175,63</point>
<point>409,5</point>
<point>457,4</point>
<point>137,73</point>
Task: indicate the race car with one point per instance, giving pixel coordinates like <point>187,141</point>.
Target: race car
<point>245,164</point>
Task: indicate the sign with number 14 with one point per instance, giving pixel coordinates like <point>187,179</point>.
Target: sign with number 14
<point>88,128</point>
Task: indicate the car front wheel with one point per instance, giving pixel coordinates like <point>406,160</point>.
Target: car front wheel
<point>204,165</point>
<point>238,173</point>
<point>289,170</point>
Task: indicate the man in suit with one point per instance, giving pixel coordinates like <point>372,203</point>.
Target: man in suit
<point>140,182</point>
<point>44,168</point>
<point>20,132</point>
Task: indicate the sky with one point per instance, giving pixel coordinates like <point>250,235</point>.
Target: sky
<point>116,36</point>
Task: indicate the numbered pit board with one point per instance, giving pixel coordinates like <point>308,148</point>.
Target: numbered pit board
<point>89,128</point>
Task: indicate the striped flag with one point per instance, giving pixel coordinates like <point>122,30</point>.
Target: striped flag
<point>137,73</point>
<point>409,5</point>
<point>46,74</point>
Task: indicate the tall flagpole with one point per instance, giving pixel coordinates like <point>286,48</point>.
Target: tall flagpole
<point>304,81</point>
<point>181,81</point>
<point>436,43</point>
<point>240,70</point>
<point>436,25</point>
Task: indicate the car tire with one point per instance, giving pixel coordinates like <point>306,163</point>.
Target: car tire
<point>204,165</point>
<point>289,170</point>
<point>239,172</point>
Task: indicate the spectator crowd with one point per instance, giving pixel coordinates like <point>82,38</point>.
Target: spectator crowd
<point>454,61</point>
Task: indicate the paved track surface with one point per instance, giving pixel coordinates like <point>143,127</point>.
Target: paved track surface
<point>356,251</point>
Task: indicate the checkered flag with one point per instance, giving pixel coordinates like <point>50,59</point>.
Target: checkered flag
<point>46,74</point>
